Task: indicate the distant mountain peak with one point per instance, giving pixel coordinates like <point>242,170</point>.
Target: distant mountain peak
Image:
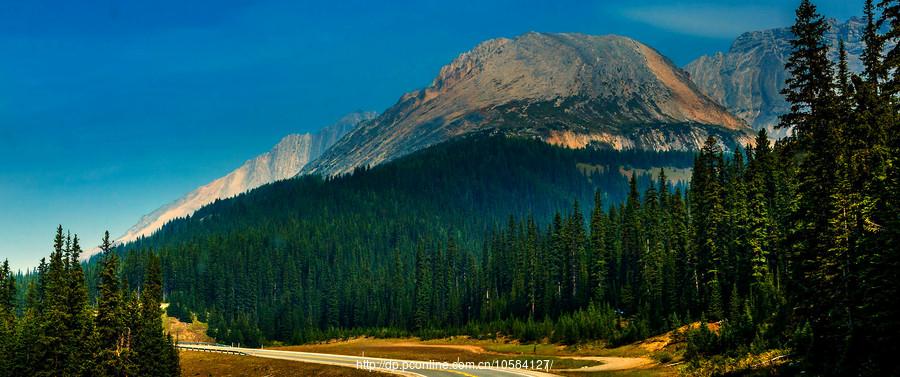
<point>749,77</point>
<point>283,161</point>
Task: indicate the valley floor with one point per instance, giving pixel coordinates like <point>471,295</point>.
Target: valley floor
<point>585,360</point>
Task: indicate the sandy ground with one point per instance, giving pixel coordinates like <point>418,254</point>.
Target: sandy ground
<point>611,363</point>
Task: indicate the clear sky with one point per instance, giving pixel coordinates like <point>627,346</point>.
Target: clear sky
<point>111,108</point>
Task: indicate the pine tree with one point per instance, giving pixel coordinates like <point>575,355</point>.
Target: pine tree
<point>813,106</point>
<point>31,344</point>
<point>7,320</point>
<point>576,243</point>
<point>598,249</point>
<point>55,317</point>
<point>80,361</point>
<point>632,248</point>
<point>555,267</point>
<point>109,329</point>
<point>872,55</point>
<point>532,266</point>
<point>737,266</point>
<point>760,240</point>
<point>881,264</point>
<point>706,198</point>
<point>890,16</point>
<point>151,347</point>
<point>808,88</point>
<point>422,303</point>
<point>890,19</point>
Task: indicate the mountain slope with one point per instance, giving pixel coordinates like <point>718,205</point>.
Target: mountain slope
<point>748,79</point>
<point>570,89</point>
<point>281,162</point>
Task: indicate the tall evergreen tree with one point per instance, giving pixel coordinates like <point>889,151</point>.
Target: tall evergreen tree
<point>422,304</point>
<point>79,362</point>
<point>151,347</point>
<point>706,199</point>
<point>810,93</point>
<point>109,329</point>
<point>7,319</point>
<point>599,254</point>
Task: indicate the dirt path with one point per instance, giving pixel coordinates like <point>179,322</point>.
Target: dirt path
<point>610,363</point>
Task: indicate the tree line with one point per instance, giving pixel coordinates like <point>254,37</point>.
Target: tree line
<point>59,331</point>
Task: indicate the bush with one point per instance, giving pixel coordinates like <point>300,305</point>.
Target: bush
<point>701,342</point>
<point>179,311</point>
<point>662,357</point>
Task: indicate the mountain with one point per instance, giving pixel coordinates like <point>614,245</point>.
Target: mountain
<point>566,89</point>
<point>748,79</point>
<point>281,162</point>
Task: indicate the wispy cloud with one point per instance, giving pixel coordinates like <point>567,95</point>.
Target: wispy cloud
<point>712,21</point>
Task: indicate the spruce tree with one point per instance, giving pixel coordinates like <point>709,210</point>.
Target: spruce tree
<point>890,20</point>
<point>31,345</point>
<point>80,361</point>
<point>632,248</point>
<point>598,252</point>
<point>110,341</point>
<point>760,238</point>
<point>7,320</point>
<point>810,93</point>
<point>55,318</point>
<point>872,55</point>
<point>880,286</point>
<point>706,197</point>
<point>422,303</point>
<point>151,347</point>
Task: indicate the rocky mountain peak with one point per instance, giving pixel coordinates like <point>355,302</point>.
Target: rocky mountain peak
<point>535,82</point>
<point>749,77</point>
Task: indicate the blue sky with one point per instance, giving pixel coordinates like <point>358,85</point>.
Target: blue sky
<point>110,108</point>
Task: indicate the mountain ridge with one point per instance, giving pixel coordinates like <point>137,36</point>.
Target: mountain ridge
<point>597,87</point>
<point>283,161</point>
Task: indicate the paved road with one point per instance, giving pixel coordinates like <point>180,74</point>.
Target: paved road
<point>402,367</point>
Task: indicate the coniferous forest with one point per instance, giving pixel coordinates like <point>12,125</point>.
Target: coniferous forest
<point>58,332</point>
<point>791,245</point>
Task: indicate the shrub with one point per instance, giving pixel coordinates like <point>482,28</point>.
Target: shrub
<point>178,311</point>
<point>701,342</point>
<point>662,357</point>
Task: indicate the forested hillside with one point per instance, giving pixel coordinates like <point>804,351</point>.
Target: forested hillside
<point>294,260</point>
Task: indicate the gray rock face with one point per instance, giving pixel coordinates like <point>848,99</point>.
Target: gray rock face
<point>748,79</point>
<point>283,161</point>
<point>569,89</point>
